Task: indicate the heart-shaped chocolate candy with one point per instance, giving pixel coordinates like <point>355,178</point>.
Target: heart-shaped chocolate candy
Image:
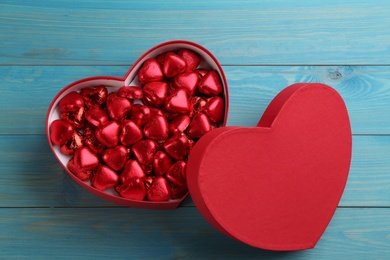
<point>127,124</point>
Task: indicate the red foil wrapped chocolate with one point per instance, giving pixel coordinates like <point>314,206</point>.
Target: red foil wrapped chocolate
<point>127,140</point>
<point>60,132</point>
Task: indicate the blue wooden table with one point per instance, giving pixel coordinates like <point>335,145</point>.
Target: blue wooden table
<point>263,46</point>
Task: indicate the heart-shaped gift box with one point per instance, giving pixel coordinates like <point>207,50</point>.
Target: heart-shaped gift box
<point>207,63</point>
<point>276,186</point>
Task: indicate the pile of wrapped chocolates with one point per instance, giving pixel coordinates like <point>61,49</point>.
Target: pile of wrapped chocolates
<point>136,140</point>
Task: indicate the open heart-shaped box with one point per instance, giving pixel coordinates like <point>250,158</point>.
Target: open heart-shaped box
<point>276,186</point>
<point>207,62</point>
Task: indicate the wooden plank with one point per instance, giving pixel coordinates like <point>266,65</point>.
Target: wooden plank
<point>365,90</point>
<point>28,90</point>
<point>237,32</point>
<point>26,93</point>
<point>264,46</point>
<point>369,178</point>
<point>33,178</point>
<point>122,233</point>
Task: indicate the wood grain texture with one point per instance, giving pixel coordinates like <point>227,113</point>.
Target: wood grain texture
<point>366,91</point>
<point>263,46</point>
<point>237,32</point>
<point>33,178</point>
<point>121,233</point>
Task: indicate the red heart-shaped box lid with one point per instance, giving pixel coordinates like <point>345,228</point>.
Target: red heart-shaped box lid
<point>276,186</point>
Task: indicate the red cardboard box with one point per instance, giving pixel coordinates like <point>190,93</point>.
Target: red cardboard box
<point>276,186</point>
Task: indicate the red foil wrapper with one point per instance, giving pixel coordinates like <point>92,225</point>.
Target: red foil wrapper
<point>161,163</point>
<point>85,159</point>
<point>75,118</point>
<point>156,128</point>
<point>130,133</point>
<point>155,93</point>
<point>104,178</point>
<point>144,151</point>
<point>133,189</point>
<point>91,141</point>
<point>177,173</point>
<point>74,142</point>
<point>131,92</point>
<point>132,170</point>
<point>177,147</point>
<point>178,102</point>
<point>140,114</point>
<point>94,97</point>
<point>178,192</point>
<point>159,190</point>
<point>173,65</point>
<point>96,116</point>
<point>215,109</point>
<point>197,104</point>
<point>115,157</point>
<point>179,125</point>
<point>150,71</point>
<point>136,136</point>
<point>188,81</point>
<point>82,175</point>
<point>117,107</point>
<point>191,59</point>
<point>210,84</point>
<point>199,126</point>
<point>60,132</point>
<point>148,181</point>
<point>72,102</point>
<point>108,134</point>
